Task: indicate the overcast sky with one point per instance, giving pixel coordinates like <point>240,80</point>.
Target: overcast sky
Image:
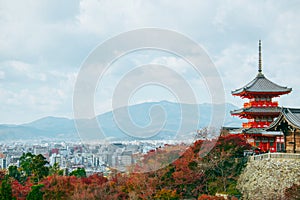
<point>44,43</point>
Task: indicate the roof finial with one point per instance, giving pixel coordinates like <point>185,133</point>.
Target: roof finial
<point>259,57</point>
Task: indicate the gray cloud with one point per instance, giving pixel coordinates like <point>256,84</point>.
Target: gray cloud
<point>50,40</point>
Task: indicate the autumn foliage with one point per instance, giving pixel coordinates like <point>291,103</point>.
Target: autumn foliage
<point>193,175</point>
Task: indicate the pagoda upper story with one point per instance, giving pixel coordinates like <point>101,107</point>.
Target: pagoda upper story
<point>261,86</point>
<point>260,110</point>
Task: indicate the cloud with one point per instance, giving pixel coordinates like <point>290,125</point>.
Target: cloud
<point>2,74</point>
<point>19,68</point>
<point>44,32</point>
<point>43,46</point>
<point>27,94</point>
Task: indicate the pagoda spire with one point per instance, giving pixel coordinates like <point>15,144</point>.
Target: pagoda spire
<point>259,57</point>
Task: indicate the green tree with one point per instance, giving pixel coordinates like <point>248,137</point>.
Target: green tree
<point>79,172</point>
<point>2,174</point>
<point>25,169</point>
<point>35,193</point>
<point>34,166</point>
<point>5,190</point>
<point>14,172</point>
<point>55,169</point>
<point>39,168</point>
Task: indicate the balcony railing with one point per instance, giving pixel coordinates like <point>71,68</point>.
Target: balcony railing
<point>276,156</point>
<point>261,104</point>
<point>256,124</point>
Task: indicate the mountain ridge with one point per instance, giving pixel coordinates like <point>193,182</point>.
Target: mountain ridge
<point>62,128</point>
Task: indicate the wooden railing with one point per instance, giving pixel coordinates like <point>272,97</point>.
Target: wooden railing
<point>275,156</point>
<point>261,104</point>
<point>256,124</point>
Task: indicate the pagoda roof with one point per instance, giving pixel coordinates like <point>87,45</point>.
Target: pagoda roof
<point>261,131</point>
<point>253,130</point>
<point>260,84</point>
<point>256,110</point>
<point>290,115</point>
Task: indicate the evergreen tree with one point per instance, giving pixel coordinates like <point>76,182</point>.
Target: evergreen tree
<point>79,172</point>
<point>5,190</point>
<point>39,168</point>
<point>35,193</point>
<point>14,172</point>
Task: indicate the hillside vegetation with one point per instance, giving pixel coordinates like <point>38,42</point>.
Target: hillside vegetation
<point>193,175</point>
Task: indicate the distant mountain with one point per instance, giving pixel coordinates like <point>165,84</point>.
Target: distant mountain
<point>155,120</point>
<point>45,128</point>
<point>54,126</point>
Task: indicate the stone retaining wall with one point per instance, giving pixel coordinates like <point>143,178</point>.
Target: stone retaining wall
<point>268,178</point>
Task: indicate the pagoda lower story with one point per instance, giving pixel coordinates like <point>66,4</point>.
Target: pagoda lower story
<point>265,141</point>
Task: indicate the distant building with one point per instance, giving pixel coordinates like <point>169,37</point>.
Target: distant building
<point>14,160</point>
<point>126,158</point>
<point>40,150</point>
<point>261,111</point>
<point>55,158</point>
<point>54,151</point>
<point>3,163</point>
<point>96,161</point>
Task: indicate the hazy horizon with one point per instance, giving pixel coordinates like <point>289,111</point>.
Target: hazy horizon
<point>72,117</point>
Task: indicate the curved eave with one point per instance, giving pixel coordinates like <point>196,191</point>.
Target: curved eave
<point>288,116</point>
<point>292,118</point>
<point>275,123</point>
<point>261,85</point>
<point>259,111</point>
<point>257,131</point>
<point>255,113</point>
<point>236,112</point>
<point>247,93</point>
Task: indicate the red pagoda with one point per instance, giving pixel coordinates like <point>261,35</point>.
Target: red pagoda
<point>261,111</point>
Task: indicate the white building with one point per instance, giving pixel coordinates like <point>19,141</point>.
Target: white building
<point>3,163</point>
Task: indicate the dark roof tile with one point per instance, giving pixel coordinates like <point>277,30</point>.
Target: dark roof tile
<point>262,84</point>
<point>257,110</point>
<point>292,115</point>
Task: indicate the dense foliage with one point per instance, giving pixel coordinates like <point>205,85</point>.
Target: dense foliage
<point>192,175</point>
